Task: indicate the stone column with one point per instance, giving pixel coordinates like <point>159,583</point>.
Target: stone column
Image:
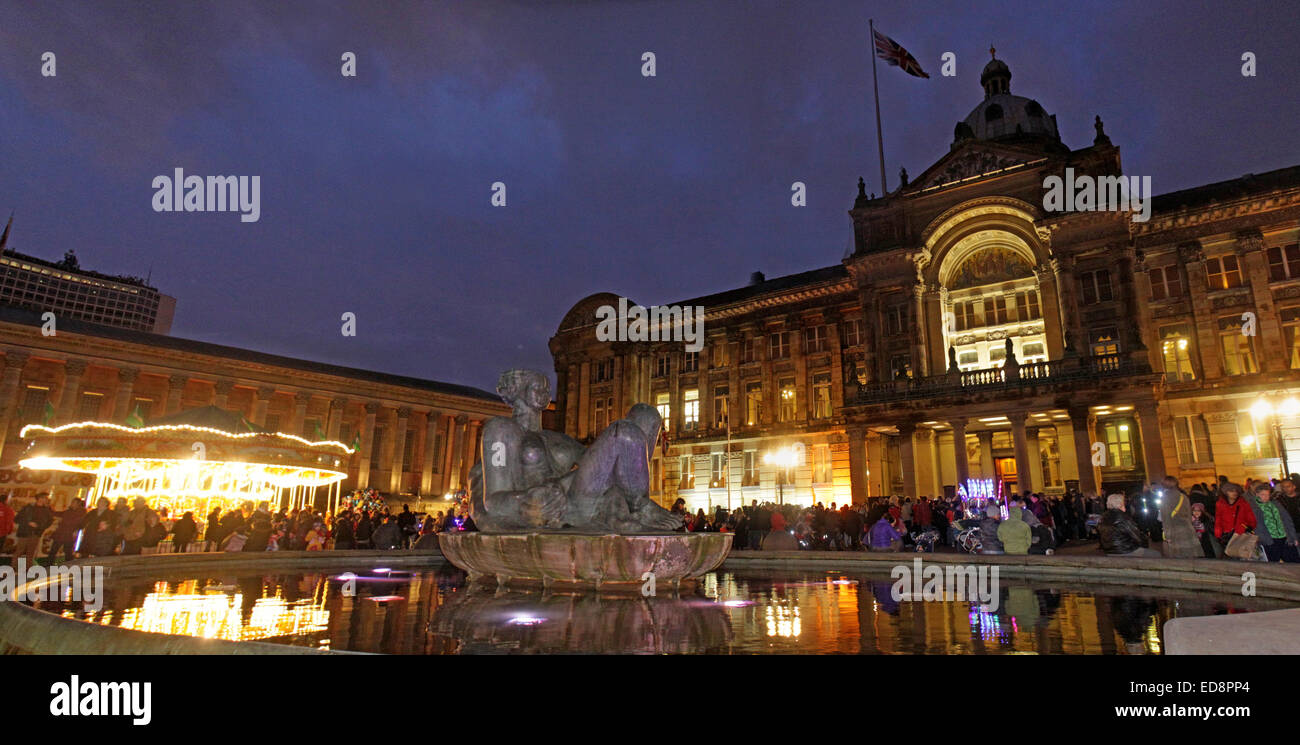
<point>959,449</point>
<point>877,484</point>
<point>1134,347</point>
<point>935,359</point>
<point>335,425</point>
<point>126,377</point>
<point>15,359</point>
<point>1068,292</point>
<point>583,423</point>
<point>472,432</point>
<point>223,389</point>
<point>1037,478</point>
<point>175,389</point>
<point>1206,323</point>
<point>1049,304</point>
<point>1082,424</point>
<point>448,424</point>
<point>858,464</point>
<point>301,400</point>
<point>1153,451</point>
<point>561,396</point>
<point>1021,442</point>
<point>367,442</point>
<point>399,447</point>
<point>426,463</point>
<point>260,404</point>
<point>72,371</point>
<point>907,457</point>
<point>986,454</point>
<point>458,450</point>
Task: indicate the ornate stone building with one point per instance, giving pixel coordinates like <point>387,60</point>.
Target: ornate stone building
<point>418,438</point>
<point>973,333</point>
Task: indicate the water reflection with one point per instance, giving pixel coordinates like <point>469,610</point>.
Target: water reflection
<point>435,612</point>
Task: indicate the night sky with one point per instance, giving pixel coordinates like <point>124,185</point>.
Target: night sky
<point>375,189</point>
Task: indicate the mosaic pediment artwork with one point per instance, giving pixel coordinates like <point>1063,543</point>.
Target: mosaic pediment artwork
<point>990,266</point>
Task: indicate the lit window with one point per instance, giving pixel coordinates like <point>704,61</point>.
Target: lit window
<point>1256,439</point>
<point>786,388</point>
<point>1291,333</point>
<point>1223,272</point>
<point>1119,443</point>
<point>721,406</point>
<point>822,396</point>
<point>753,404</point>
<point>1238,348</point>
<point>664,405</point>
<point>821,473</point>
<point>688,472</point>
<point>718,470</point>
<point>1105,342</point>
<point>691,409</point>
<point>1193,438</point>
<point>750,476</point>
<point>1176,348</point>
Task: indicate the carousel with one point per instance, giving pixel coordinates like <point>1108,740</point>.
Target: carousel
<point>193,461</point>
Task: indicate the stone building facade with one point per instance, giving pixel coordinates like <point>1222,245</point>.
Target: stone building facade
<point>418,438</point>
<point>975,334</point>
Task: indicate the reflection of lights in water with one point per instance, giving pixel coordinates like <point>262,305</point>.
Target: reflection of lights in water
<point>1153,636</point>
<point>382,570</point>
<point>844,582</point>
<point>220,617</point>
<point>385,598</point>
<point>738,603</point>
<point>526,621</point>
<point>987,625</point>
<point>783,621</point>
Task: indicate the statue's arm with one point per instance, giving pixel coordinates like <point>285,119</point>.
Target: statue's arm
<point>564,449</point>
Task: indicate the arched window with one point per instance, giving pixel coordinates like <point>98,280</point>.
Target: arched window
<point>1034,110</point>
<point>993,113</point>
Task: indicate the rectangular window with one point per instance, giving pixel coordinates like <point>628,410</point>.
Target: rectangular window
<point>786,389</point>
<point>966,318</point>
<point>665,408</point>
<point>691,362</point>
<point>750,475</point>
<point>749,350</point>
<point>895,318</point>
<point>1176,348</point>
<point>778,346</point>
<point>720,354</point>
<point>602,371</point>
<point>439,452</point>
<point>1095,286</point>
<point>1291,335</point>
<point>1165,283</point>
<point>718,470</point>
<point>1238,348</point>
<point>1119,443</point>
<point>721,405</point>
<point>753,404</point>
<point>688,472</point>
<point>1223,272</point>
<point>900,366</point>
<point>821,472</point>
<point>691,409</point>
<point>1193,438</point>
<point>1256,437</point>
<point>408,449</point>
<point>1003,311</point>
<point>815,339</point>
<point>33,411</point>
<point>91,403</point>
<point>968,360</point>
<point>599,416</point>
<point>1284,262</point>
<point>1027,305</point>
<point>1105,342</point>
<point>822,396</point>
<point>1033,352</point>
<point>377,446</point>
<point>852,333</point>
<point>663,364</point>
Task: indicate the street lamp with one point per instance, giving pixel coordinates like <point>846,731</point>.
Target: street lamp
<point>1265,409</point>
<point>785,459</point>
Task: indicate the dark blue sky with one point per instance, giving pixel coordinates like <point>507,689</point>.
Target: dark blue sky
<point>375,189</point>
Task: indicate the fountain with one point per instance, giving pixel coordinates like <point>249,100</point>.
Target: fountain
<point>550,511</point>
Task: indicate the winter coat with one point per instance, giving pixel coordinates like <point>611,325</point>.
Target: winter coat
<point>7,516</point>
<point>990,543</point>
<point>1014,533</point>
<point>1261,528</point>
<point>184,530</point>
<point>1232,518</point>
<point>1119,534</point>
<point>69,523</point>
<point>883,534</point>
<point>42,516</point>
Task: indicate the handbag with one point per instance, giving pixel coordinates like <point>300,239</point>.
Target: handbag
<point>1242,546</point>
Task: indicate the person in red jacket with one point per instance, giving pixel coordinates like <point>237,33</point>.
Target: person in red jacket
<point>7,515</point>
<point>1232,514</point>
<point>922,515</point>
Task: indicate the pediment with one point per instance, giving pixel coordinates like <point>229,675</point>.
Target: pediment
<point>974,159</point>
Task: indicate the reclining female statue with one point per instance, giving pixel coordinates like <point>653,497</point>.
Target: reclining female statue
<point>529,478</point>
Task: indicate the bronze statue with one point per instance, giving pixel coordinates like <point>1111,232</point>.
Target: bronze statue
<point>532,479</point>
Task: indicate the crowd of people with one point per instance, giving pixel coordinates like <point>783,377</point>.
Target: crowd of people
<point>137,528</point>
<point>1229,521</point>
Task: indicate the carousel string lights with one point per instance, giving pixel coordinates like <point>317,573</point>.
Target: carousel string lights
<point>186,467</point>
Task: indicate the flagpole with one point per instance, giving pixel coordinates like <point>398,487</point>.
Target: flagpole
<point>880,140</point>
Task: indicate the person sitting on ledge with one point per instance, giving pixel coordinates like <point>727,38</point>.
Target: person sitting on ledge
<point>1119,534</point>
<point>1014,533</point>
<point>990,543</point>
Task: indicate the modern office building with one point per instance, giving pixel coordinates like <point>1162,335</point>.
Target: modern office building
<point>69,291</point>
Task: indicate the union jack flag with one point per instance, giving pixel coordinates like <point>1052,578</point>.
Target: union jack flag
<point>893,53</point>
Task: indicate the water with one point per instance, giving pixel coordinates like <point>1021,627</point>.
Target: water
<point>743,612</point>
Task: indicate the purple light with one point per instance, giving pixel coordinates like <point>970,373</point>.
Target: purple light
<point>384,570</point>
<point>738,603</point>
<point>385,598</point>
<point>526,621</point>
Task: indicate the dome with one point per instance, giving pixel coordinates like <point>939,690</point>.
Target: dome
<point>1004,116</point>
<point>995,69</point>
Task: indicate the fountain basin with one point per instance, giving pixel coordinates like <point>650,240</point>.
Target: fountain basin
<point>585,559</point>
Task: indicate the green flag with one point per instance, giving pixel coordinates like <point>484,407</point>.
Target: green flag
<point>320,434</point>
<point>356,442</point>
<point>134,419</point>
<point>49,413</point>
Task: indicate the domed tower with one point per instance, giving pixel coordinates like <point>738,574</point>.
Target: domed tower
<point>1004,117</point>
